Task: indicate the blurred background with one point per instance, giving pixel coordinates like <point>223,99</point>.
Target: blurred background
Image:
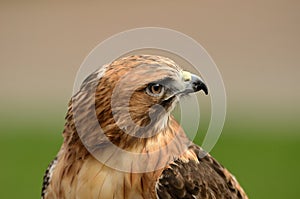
<point>255,44</point>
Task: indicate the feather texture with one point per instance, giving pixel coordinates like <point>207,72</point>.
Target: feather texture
<point>96,123</point>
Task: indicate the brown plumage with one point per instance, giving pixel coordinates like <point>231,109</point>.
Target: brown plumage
<point>127,105</point>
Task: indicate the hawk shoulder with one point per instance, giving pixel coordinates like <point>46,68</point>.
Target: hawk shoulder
<point>47,176</point>
<point>201,178</point>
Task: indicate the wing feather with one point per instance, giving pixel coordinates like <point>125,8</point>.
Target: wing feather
<point>201,178</point>
<point>47,176</point>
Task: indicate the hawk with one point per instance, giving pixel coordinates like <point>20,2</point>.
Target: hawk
<point>125,108</point>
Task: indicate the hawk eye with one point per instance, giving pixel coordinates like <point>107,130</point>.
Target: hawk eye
<point>155,89</point>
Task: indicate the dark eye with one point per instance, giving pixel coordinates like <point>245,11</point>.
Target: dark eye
<point>155,89</point>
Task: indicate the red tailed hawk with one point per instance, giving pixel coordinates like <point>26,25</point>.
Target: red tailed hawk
<point>127,105</point>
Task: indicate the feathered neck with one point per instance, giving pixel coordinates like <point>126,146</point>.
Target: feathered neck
<point>91,129</point>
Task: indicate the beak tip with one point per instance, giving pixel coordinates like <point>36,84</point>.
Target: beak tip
<point>202,87</point>
<point>205,89</point>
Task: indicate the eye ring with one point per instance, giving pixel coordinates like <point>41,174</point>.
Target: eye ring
<point>155,89</point>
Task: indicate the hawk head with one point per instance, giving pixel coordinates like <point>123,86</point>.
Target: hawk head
<point>134,95</point>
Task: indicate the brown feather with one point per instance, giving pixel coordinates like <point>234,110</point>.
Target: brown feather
<point>200,178</point>
<point>78,174</point>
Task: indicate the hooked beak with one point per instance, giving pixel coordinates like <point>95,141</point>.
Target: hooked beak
<point>193,83</point>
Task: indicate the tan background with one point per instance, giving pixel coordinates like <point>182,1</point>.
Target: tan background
<point>255,44</point>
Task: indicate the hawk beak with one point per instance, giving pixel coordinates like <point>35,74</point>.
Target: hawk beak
<point>193,83</point>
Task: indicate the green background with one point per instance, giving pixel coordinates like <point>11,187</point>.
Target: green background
<point>255,45</point>
<point>266,166</point>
